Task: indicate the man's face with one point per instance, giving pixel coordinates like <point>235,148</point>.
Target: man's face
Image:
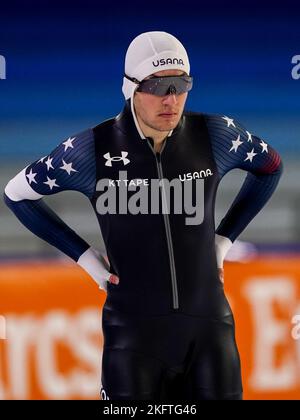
<point>161,113</point>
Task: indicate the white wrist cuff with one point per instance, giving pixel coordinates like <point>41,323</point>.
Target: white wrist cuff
<point>223,245</point>
<point>91,262</point>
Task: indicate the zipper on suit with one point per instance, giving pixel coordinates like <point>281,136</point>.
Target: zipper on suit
<point>167,227</point>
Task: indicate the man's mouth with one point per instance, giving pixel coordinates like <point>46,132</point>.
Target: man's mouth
<point>167,114</point>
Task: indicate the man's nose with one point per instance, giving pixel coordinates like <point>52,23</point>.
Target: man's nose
<point>170,99</point>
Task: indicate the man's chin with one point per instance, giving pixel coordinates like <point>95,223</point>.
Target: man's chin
<point>167,125</point>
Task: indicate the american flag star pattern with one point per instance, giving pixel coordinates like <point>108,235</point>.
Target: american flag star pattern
<point>235,147</point>
<point>70,166</point>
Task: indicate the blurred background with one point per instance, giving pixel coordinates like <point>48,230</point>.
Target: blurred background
<point>64,69</point>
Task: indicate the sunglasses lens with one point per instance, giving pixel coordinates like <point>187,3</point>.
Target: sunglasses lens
<point>161,86</point>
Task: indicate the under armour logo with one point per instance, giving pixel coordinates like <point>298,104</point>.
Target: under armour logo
<point>109,159</point>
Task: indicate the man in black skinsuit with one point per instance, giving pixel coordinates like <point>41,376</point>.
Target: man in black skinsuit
<point>168,328</point>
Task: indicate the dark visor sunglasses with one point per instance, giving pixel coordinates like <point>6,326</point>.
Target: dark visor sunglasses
<point>167,85</point>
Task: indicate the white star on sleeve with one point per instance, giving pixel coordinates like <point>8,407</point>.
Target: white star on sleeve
<point>236,143</point>
<point>42,159</point>
<point>51,183</point>
<point>264,147</point>
<point>249,136</point>
<point>67,167</point>
<point>229,121</point>
<point>31,177</point>
<point>68,143</point>
<point>49,163</point>
<point>250,155</point>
